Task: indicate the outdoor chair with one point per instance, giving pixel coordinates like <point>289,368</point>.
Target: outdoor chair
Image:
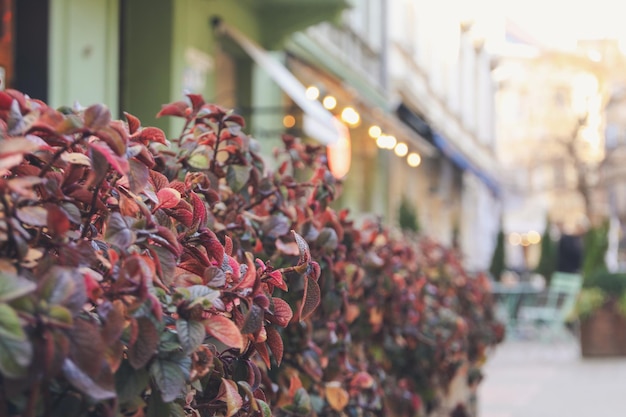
<point>549,311</point>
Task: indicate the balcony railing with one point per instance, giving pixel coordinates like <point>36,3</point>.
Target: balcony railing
<point>349,47</point>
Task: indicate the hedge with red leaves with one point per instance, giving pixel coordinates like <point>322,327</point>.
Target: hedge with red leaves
<point>147,276</point>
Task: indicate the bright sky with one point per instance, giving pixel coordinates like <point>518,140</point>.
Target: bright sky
<point>559,23</point>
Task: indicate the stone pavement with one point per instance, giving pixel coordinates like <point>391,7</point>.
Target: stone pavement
<point>535,379</point>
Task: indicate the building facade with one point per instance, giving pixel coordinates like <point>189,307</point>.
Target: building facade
<point>415,119</point>
<point>551,112</point>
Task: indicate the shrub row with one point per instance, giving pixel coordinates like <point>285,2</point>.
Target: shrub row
<point>147,276</point>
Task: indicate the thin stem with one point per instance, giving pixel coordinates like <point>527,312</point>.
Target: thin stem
<point>182,133</point>
<point>92,210</point>
<point>58,154</point>
<point>217,144</point>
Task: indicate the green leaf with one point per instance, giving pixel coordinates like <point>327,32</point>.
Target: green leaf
<point>237,176</point>
<point>169,378</point>
<point>266,411</point>
<point>13,286</point>
<point>10,323</point>
<point>190,333</point>
<point>15,356</point>
<point>199,293</point>
<point>302,401</point>
<point>130,383</point>
<point>84,383</point>
<point>146,344</point>
<point>198,161</point>
<point>64,286</point>
<point>118,233</point>
<point>60,314</point>
<point>176,410</point>
<point>15,349</point>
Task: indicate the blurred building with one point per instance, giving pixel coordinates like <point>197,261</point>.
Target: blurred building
<point>551,123</point>
<point>401,90</point>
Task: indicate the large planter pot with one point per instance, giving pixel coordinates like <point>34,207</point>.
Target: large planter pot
<point>603,334</point>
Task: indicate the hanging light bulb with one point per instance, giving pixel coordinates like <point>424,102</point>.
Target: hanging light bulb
<point>350,116</point>
<point>374,131</point>
<point>312,93</point>
<point>413,159</point>
<point>401,149</point>
<point>381,141</point>
<point>329,102</point>
<point>289,121</point>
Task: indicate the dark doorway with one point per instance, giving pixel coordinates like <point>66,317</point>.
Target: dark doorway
<point>31,48</point>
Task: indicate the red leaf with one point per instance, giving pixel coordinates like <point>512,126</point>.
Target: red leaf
<point>229,394</point>
<point>150,134</point>
<point>138,175</point>
<point>119,164</point>
<point>228,247</point>
<point>362,380</point>
<point>197,101</point>
<point>289,248</point>
<point>261,349</point>
<point>177,109</point>
<point>225,331</point>
<point>168,198</point>
<point>113,138</point>
<point>310,299</point>
<point>275,343</point>
<point>133,123</point>
<point>5,101</point>
<point>182,215</point>
<point>249,279</point>
<point>173,244</point>
<point>97,116</point>
<point>276,278</point>
<point>212,245</point>
<point>158,180</point>
<point>199,210</point>
<point>235,118</point>
<point>282,312</point>
<point>294,385</point>
<point>57,220</point>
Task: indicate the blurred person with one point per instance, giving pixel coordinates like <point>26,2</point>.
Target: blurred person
<point>570,248</point>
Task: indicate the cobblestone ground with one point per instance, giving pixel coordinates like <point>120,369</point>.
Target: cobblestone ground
<point>534,379</point>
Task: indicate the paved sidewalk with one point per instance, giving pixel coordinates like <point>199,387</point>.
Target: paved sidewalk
<point>533,379</point>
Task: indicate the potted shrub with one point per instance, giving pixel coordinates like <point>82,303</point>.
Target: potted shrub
<point>601,309</point>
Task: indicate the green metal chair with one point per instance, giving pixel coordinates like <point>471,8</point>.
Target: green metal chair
<point>550,311</point>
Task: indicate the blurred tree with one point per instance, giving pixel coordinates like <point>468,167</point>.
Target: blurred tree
<point>407,216</point>
<point>596,243</point>
<point>547,260</point>
<point>497,261</point>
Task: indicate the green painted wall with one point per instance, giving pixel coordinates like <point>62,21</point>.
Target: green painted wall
<point>83,53</point>
<point>146,72</point>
